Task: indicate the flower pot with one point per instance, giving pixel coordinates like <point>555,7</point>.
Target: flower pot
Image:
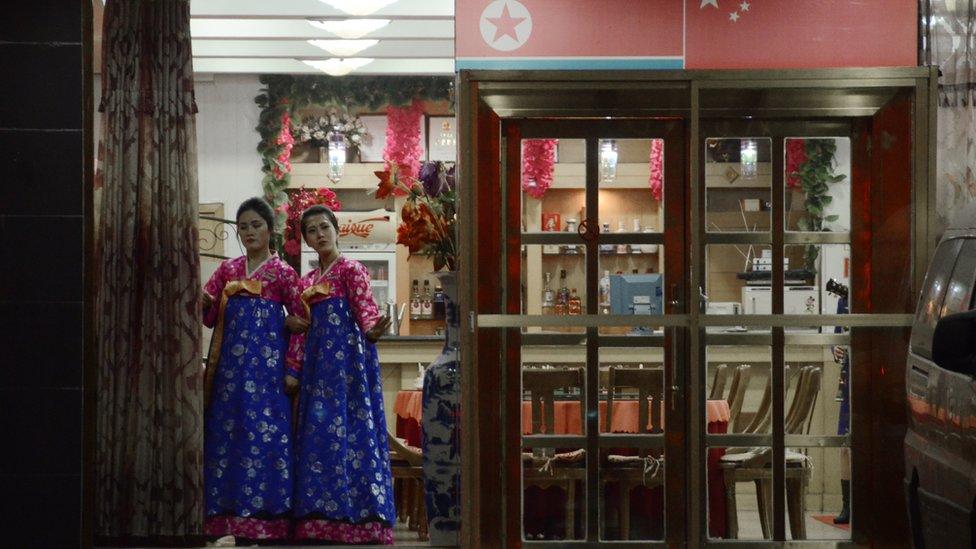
<point>323,155</point>
<point>441,428</point>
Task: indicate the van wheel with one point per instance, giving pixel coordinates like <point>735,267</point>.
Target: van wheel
<point>915,513</point>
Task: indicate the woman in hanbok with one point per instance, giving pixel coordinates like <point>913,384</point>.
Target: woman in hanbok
<point>343,483</point>
<point>248,455</point>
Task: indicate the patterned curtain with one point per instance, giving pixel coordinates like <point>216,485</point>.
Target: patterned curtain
<point>149,480</point>
<point>948,29</point>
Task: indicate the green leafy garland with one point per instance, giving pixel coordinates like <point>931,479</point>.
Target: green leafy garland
<point>288,93</point>
<point>816,175</point>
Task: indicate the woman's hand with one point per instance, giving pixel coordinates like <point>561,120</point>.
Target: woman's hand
<point>378,329</point>
<point>207,300</point>
<point>291,385</point>
<point>296,324</point>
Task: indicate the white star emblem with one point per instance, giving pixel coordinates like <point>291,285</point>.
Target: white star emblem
<point>744,6</point>
<point>713,3</point>
<point>733,17</point>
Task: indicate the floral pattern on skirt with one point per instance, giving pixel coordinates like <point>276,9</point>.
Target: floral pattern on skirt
<point>247,447</point>
<point>342,458</point>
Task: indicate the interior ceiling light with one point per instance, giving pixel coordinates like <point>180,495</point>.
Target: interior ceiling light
<point>343,48</point>
<point>358,7</point>
<point>350,29</point>
<point>336,66</point>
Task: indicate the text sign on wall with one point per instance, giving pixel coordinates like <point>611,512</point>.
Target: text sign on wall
<point>693,34</point>
<point>373,227</point>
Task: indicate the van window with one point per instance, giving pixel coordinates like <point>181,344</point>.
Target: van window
<point>959,294</point>
<point>933,293</point>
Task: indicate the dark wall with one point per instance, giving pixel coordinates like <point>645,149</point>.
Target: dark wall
<point>42,220</point>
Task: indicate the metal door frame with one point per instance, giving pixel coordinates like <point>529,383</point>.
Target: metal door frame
<point>517,89</point>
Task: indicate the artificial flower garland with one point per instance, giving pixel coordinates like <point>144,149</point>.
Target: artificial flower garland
<point>403,147</point>
<point>656,165</point>
<point>285,140</point>
<point>538,162</point>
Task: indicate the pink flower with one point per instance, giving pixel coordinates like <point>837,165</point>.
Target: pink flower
<point>796,155</point>
<point>656,161</point>
<point>538,163</point>
<point>403,147</point>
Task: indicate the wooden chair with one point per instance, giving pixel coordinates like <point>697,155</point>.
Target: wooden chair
<point>631,471</point>
<point>407,465</point>
<point>737,394</point>
<point>756,465</point>
<point>561,469</point>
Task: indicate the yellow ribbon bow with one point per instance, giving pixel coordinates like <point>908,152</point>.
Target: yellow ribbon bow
<point>324,290</point>
<point>247,287</point>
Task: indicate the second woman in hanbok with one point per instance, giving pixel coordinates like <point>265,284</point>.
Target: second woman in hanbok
<point>343,483</point>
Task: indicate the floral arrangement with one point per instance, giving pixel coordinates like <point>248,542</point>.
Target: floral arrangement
<point>403,149</point>
<point>538,162</point>
<point>428,218</point>
<point>656,164</point>
<point>284,94</point>
<point>319,130</point>
<point>301,200</point>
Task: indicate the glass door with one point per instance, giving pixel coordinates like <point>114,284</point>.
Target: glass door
<point>594,356</point>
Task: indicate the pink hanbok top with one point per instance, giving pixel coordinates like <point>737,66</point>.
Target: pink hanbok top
<point>348,279</point>
<point>279,283</point>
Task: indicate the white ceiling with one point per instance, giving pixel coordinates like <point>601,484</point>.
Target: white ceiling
<point>264,36</point>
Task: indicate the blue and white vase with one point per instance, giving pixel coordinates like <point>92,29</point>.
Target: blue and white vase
<point>441,428</point>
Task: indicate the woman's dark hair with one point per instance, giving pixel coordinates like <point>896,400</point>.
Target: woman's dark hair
<point>260,207</point>
<point>317,210</point>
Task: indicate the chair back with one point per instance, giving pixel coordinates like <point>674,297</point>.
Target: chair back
<point>804,400</point>
<point>649,383</point>
<point>737,393</point>
<point>541,384</point>
<point>718,382</point>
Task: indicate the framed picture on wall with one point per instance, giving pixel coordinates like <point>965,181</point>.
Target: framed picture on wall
<point>443,138</point>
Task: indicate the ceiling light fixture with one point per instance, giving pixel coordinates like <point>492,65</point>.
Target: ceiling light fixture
<point>358,7</point>
<point>336,66</point>
<point>343,48</point>
<point>350,29</point>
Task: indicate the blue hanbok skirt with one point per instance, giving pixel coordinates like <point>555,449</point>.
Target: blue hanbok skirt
<point>248,440</point>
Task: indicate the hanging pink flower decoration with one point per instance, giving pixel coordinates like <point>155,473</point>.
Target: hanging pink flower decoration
<point>796,155</point>
<point>538,162</point>
<point>403,139</point>
<point>656,165</point>
<point>283,161</point>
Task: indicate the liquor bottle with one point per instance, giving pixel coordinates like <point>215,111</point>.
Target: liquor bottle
<point>562,296</point>
<point>439,306</point>
<point>415,307</point>
<point>605,292</point>
<point>575,305</point>
<point>621,248</point>
<point>548,296</point>
<point>606,248</point>
<point>426,306</point>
